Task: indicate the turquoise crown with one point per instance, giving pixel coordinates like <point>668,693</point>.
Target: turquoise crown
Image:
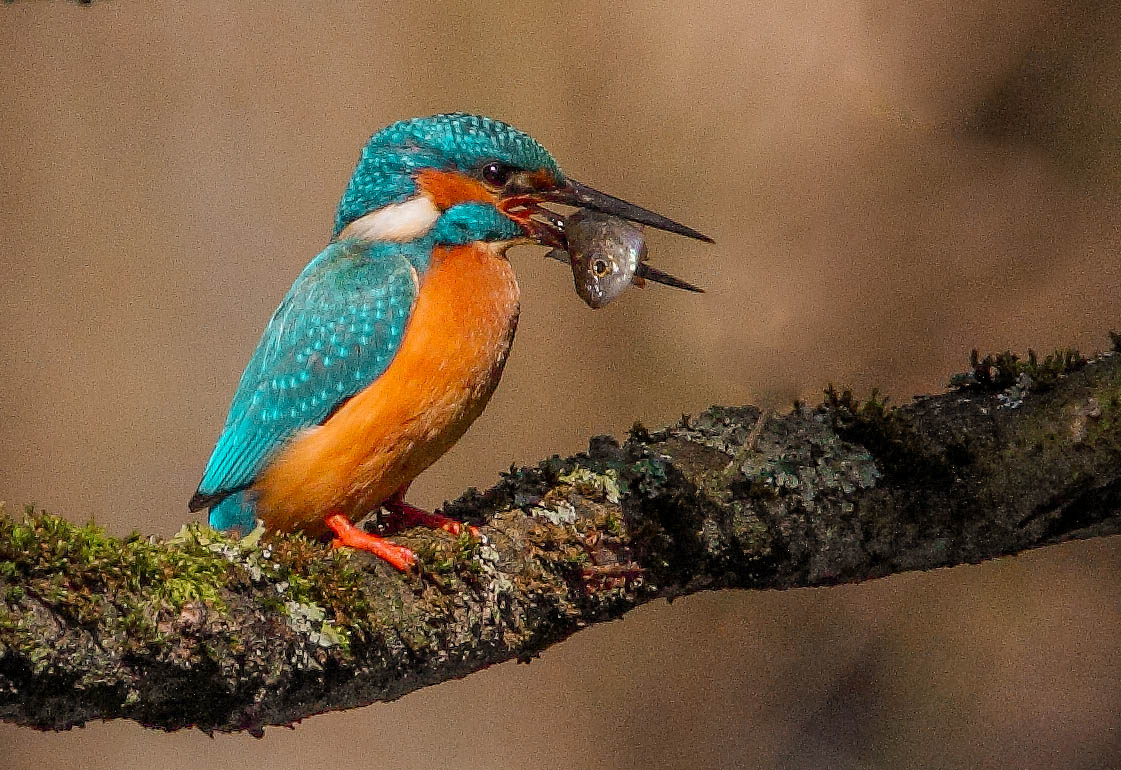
<point>456,140</point>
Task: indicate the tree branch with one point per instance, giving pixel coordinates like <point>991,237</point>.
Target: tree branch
<point>233,635</point>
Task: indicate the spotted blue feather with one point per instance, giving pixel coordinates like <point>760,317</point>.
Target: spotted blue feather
<point>334,333</point>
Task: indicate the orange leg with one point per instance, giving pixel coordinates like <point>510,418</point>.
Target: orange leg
<point>349,535</point>
<point>411,516</point>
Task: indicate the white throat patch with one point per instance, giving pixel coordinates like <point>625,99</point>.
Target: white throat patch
<point>399,222</point>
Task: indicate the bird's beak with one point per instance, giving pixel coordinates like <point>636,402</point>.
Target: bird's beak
<point>573,193</point>
<point>548,229</point>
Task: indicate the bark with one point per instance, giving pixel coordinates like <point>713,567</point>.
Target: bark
<point>226,635</point>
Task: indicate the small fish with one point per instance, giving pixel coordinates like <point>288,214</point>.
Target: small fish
<point>608,254</point>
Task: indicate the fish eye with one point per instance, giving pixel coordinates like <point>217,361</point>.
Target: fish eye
<point>497,174</point>
<point>601,268</point>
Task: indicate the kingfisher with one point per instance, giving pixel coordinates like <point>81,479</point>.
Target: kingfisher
<point>391,341</point>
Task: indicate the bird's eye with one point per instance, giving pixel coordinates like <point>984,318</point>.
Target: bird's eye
<point>497,173</point>
<point>601,267</point>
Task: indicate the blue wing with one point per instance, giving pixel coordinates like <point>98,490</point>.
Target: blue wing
<point>335,333</point>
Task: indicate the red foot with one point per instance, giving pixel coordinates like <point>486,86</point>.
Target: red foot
<point>349,535</point>
<point>411,516</point>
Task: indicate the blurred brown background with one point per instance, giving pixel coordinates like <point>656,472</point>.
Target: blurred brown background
<point>889,185</point>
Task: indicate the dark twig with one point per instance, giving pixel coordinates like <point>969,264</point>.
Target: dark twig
<point>227,635</point>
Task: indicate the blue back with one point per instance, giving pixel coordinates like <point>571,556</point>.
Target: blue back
<point>341,323</point>
<point>335,332</point>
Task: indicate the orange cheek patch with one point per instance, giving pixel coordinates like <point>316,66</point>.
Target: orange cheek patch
<point>447,188</point>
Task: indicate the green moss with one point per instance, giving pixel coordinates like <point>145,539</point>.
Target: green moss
<point>1107,427</point>
<point>448,555</point>
<point>884,431</point>
<point>125,585</point>
<point>1000,371</point>
<point>318,587</point>
<point>559,547</point>
<point>593,484</point>
<point>137,584</point>
<point>651,475</point>
<point>613,523</point>
<point>43,550</point>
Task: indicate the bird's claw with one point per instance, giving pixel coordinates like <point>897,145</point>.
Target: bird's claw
<point>350,536</point>
<point>406,515</point>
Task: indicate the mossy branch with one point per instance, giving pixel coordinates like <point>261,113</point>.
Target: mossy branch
<point>233,635</point>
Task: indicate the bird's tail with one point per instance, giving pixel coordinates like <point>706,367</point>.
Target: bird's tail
<point>236,512</point>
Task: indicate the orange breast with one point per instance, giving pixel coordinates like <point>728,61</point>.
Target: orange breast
<point>449,363</point>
